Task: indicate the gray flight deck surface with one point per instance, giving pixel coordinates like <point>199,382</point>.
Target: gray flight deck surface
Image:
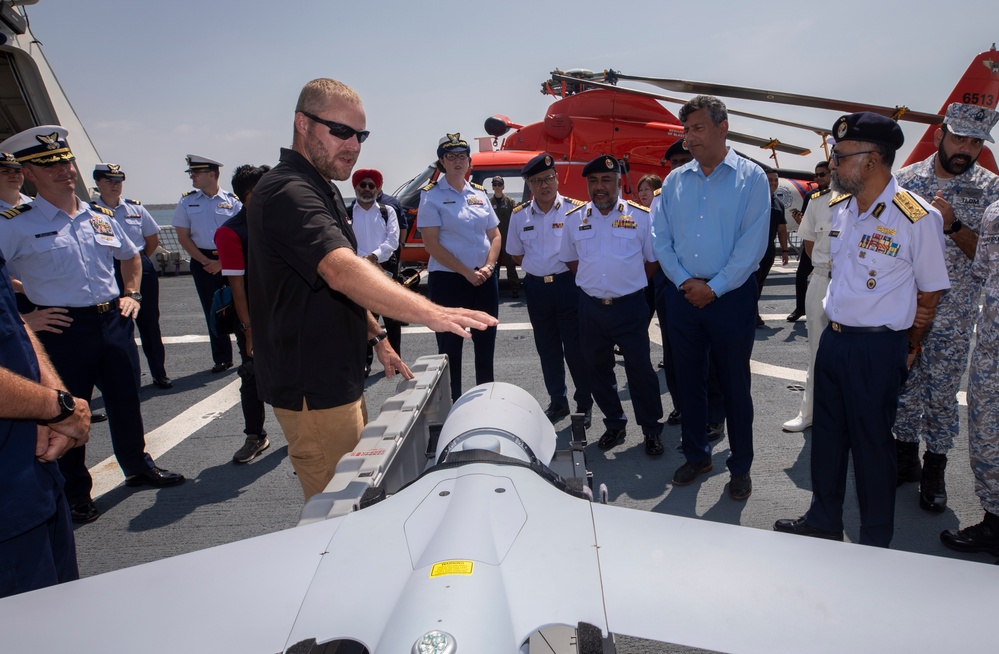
<point>222,502</point>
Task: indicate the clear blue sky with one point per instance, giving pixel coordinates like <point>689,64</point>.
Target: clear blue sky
<point>153,81</point>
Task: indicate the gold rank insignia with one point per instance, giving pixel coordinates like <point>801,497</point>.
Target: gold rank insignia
<point>135,202</point>
<point>909,206</point>
<point>521,206</point>
<point>13,212</point>
<point>657,192</point>
<point>114,169</point>
<point>429,186</point>
<point>839,198</point>
<point>99,209</point>
<point>191,192</point>
<point>579,205</point>
<point>818,194</point>
<point>477,187</point>
<point>638,205</point>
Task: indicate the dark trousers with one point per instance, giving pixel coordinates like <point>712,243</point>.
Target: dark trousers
<point>857,380</point>
<point>450,289</point>
<point>553,308</point>
<point>148,321</point>
<point>761,273</point>
<point>252,405</point>
<point>206,285</point>
<point>716,402</point>
<point>99,350</point>
<point>801,280</point>
<point>622,323</point>
<point>722,332</point>
<point>41,557</point>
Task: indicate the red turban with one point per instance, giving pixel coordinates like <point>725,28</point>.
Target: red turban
<point>367,173</point>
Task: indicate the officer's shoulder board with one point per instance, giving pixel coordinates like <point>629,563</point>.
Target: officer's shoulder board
<point>839,198</point>
<point>638,205</point>
<point>191,192</point>
<point>477,187</point>
<point>99,209</point>
<point>13,212</point>
<point>656,193</point>
<point>429,186</point>
<point>135,202</point>
<point>819,193</point>
<point>909,205</point>
<point>521,206</point>
<point>578,203</point>
<point>575,208</point>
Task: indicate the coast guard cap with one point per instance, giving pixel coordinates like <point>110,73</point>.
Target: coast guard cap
<point>868,126</point>
<point>452,143</point>
<point>7,160</point>
<point>538,164</point>
<point>109,171</point>
<point>43,146</point>
<point>196,163</point>
<point>971,120</point>
<point>678,147</point>
<point>602,164</point>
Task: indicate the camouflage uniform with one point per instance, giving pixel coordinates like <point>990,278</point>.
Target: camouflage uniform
<point>927,404</point>
<point>983,378</point>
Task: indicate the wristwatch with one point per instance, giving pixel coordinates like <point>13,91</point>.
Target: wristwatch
<point>382,335</point>
<point>954,227</point>
<point>135,295</point>
<point>67,405</point>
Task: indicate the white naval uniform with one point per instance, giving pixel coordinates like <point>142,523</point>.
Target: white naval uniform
<point>537,236</point>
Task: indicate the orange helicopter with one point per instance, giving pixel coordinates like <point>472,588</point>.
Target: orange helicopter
<point>592,115</point>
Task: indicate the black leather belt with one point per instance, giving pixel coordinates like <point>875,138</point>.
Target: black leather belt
<point>547,279</point>
<point>607,301</point>
<point>103,307</point>
<point>209,253</point>
<point>837,327</point>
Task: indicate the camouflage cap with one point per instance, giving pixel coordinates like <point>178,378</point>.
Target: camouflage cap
<point>971,120</point>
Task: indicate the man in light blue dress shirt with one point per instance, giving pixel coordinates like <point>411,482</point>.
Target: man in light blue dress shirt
<point>710,230</point>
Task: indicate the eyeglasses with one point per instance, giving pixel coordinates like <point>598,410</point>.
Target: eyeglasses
<point>455,156</point>
<point>367,186</point>
<point>498,184</point>
<point>543,181</point>
<point>339,130</point>
<point>835,156</point>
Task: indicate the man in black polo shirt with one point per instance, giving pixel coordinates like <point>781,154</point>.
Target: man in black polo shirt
<point>312,293</point>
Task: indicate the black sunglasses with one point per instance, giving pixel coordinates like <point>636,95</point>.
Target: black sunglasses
<point>339,130</point>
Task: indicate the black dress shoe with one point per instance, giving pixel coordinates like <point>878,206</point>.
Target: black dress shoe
<point>983,537</point>
<point>587,416</point>
<point>611,438</point>
<point>654,445</point>
<point>760,322</point>
<point>84,512</point>
<point>221,367</point>
<point>556,412</point>
<point>799,527</point>
<point>163,382</point>
<point>715,431</point>
<point>157,477</point>
<point>674,417</point>
<point>740,487</point>
<point>795,316</point>
<point>98,416</point>
<point>689,471</point>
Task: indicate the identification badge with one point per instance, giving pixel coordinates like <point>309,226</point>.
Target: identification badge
<point>583,228</point>
<point>529,228</point>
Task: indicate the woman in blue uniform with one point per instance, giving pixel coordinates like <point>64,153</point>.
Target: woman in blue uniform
<point>461,233</point>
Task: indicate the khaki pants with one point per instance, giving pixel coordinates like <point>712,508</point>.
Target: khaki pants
<point>317,439</point>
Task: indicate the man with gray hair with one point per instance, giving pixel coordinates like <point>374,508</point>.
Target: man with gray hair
<point>710,230</point>
<point>960,190</point>
<point>313,297</point>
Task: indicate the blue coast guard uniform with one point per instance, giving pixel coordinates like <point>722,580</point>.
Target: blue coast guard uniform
<point>9,161</point>
<point>612,251</point>
<point>67,261</point>
<point>203,215</point>
<point>880,259</point>
<point>552,298</point>
<point>137,224</point>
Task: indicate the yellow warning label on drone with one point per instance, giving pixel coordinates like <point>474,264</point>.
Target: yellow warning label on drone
<point>445,568</point>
